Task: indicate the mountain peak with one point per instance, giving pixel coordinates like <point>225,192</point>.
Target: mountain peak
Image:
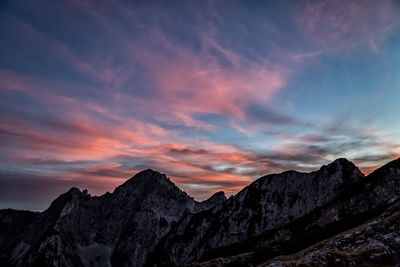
<point>342,164</point>
<point>72,193</point>
<point>147,176</point>
<point>220,195</point>
<point>212,201</point>
<point>349,172</point>
<point>341,161</point>
<point>147,173</point>
<point>73,190</point>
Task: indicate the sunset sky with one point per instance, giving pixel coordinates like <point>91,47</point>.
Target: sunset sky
<point>212,93</point>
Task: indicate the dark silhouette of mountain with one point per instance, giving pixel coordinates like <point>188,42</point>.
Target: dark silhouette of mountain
<point>334,215</point>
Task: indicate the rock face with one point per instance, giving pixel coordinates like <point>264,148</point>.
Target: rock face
<point>149,221</point>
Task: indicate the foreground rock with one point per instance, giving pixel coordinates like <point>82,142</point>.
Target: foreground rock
<point>374,243</point>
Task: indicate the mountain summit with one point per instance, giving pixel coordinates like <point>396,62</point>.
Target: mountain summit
<point>148,220</point>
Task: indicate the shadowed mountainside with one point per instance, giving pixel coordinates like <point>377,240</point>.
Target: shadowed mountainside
<point>149,221</point>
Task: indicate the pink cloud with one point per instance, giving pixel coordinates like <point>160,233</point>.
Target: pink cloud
<point>189,79</point>
<point>184,83</point>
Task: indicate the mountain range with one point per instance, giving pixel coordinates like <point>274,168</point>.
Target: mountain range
<point>335,216</point>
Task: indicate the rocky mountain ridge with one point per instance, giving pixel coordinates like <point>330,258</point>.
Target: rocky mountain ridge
<point>118,228</point>
<point>149,221</point>
<point>269,202</point>
<point>367,201</point>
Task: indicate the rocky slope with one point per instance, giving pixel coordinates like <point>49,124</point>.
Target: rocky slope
<point>150,221</point>
<point>374,243</point>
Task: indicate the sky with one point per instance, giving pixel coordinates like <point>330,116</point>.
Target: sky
<point>213,93</point>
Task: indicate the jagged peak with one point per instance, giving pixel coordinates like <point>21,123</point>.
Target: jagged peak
<point>348,169</point>
<point>58,204</point>
<point>147,171</point>
<point>147,179</point>
<point>73,190</point>
<point>147,175</point>
<point>341,161</point>
<point>220,195</point>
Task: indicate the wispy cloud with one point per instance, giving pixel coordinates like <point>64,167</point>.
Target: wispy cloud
<point>200,91</point>
<point>339,26</point>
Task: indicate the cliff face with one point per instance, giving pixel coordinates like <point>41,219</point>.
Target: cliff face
<point>148,220</point>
